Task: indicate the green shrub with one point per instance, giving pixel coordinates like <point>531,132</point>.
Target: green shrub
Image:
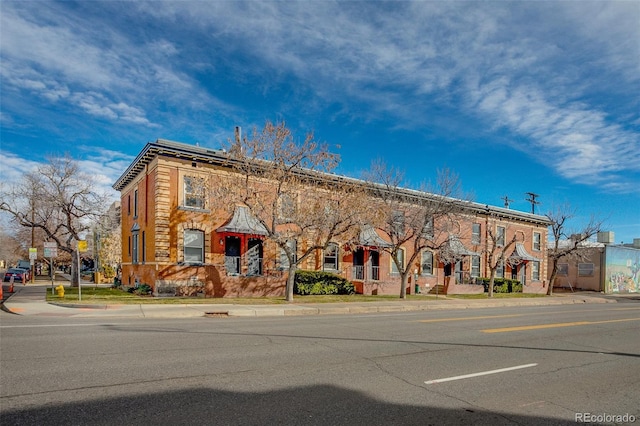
<point>320,282</point>
<point>140,290</point>
<point>502,285</point>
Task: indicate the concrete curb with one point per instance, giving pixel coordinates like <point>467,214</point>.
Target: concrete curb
<point>30,300</point>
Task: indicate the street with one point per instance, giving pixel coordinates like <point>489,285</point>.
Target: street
<point>509,365</point>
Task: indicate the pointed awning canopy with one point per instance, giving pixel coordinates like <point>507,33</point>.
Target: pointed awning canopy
<point>243,222</point>
<point>369,238</point>
<point>458,248</point>
<point>521,254</point>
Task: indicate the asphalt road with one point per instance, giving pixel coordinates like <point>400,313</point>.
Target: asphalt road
<point>533,365</point>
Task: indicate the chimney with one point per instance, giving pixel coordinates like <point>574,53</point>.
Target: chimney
<point>238,134</point>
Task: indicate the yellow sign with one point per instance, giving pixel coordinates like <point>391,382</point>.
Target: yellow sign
<point>82,246</point>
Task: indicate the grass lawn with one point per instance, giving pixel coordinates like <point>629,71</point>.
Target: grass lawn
<point>102,295</point>
<point>495,296</point>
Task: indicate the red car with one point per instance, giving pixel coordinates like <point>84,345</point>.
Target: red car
<point>17,273</point>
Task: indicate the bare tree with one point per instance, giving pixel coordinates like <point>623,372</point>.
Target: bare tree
<point>568,244</point>
<point>57,199</point>
<point>10,247</point>
<point>416,219</point>
<point>288,188</point>
<point>498,250</point>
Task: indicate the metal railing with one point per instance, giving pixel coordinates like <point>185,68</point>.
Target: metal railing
<point>234,264</point>
<point>372,273</point>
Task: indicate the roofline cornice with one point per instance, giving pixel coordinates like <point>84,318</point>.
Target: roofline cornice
<point>162,147</point>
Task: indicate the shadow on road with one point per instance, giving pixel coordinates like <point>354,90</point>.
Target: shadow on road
<point>313,405</point>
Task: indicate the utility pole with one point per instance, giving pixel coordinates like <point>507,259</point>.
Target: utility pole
<point>532,200</point>
<point>506,200</point>
<point>33,235</point>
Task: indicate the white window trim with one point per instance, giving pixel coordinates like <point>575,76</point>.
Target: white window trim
<point>185,246</point>
<point>430,273</point>
<point>536,245</point>
<point>394,268</point>
<point>336,263</point>
<point>183,192</point>
<point>535,271</point>
<point>501,237</point>
<point>473,259</point>
<point>476,238</point>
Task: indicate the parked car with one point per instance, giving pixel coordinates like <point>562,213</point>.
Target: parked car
<point>24,264</point>
<point>17,274</point>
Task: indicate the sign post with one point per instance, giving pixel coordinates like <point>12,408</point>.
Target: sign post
<point>51,251</point>
<point>82,247</point>
<point>33,255</point>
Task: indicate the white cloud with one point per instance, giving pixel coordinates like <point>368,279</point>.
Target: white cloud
<point>535,69</point>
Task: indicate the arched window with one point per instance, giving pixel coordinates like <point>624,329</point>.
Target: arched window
<point>427,263</point>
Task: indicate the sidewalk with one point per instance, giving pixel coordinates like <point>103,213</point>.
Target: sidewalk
<point>30,300</point>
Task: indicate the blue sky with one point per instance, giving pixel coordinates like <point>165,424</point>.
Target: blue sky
<point>514,97</point>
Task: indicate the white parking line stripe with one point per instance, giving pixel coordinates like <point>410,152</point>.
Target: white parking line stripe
<point>483,373</point>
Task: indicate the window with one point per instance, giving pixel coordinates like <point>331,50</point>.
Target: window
<point>394,267</point>
<point>135,204</point>
<point>129,205</point>
<point>585,269</point>
<point>397,222</point>
<point>284,260</point>
<point>427,229</point>
<point>286,207</point>
<point>427,263</point>
<point>134,256</point>
<point>563,269</point>
<point>193,246</point>
<point>500,231</point>
<point>475,266</point>
<point>500,270</point>
<point>475,234</point>
<point>330,260</point>
<point>194,192</point>
<point>536,241</point>
<point>535,271</point>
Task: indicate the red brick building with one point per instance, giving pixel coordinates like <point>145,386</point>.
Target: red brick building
<point>179,241</point>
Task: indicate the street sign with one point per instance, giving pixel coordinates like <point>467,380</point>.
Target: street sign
<point>51,252</point>
<point>50,249</point>
<point>82,246</point>
<point>33,253</point>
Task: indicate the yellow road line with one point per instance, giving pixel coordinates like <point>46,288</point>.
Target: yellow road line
<point>519,315</point>
<point>471,318</point>
<point>556,325</point>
